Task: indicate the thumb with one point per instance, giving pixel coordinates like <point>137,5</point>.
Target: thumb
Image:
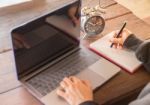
<point>61,93</point>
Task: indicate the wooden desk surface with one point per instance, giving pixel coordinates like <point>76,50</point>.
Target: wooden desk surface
<point>113,92</point>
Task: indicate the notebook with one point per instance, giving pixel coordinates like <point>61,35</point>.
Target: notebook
<point>124,58</point>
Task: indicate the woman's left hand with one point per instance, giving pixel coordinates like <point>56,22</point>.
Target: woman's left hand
<point>71,13</point>
<point>75,91</point>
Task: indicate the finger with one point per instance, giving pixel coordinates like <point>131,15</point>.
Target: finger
<point>115,34</point>
<point>75,21</point>
<point>72,11</point>
<point>61,93</point>
<point>67,81</point>
<point>63,85</point>
<point>75,79</point>
<point>116,40</point>
<point>115,46</point>
<point>120,47</point>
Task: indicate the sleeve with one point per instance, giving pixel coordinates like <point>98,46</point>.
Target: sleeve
<point>132,42</point>
<point>89,103</point>
<point>141,48</point>
<point>143,98</point>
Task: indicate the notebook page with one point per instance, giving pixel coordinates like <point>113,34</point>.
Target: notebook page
<point>123,57</point>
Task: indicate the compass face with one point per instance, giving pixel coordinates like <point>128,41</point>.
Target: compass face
<point>94,25</point>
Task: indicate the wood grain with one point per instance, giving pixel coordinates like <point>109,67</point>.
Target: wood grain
<point>8,79</point>
<point>19,96</point>
<point>121,86</point>
<point>113,91</point>
<point>134,24</point>
<point>104,3</point>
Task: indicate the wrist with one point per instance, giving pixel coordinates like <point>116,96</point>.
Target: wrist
<point>88,103</point>
<point>85,100</point>
<point>126,34</point>
<point>126,38</point>
<point>132,42</point>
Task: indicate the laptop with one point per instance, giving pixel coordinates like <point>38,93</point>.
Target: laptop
<point>44,54</point>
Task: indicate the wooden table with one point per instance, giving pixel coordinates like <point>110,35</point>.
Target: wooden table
<point>118,91</point>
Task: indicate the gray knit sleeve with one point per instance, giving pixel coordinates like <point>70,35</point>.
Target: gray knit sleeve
<point>142,51</point>
<point>132,42</point>
<point>141,48</point>
<point>143,98</point>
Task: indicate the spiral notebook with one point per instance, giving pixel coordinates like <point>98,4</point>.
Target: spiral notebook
<point>123,58</point>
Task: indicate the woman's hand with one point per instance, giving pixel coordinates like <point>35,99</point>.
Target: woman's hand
<point>71,13</point>
<point>118,42</point>
<point>75,91</point>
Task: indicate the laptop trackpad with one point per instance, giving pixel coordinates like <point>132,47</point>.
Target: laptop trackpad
<point>99,72</point>
<point>95,79</point>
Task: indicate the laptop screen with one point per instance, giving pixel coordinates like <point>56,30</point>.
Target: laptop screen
<point>39,44</point>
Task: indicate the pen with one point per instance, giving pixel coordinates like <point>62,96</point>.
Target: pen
<point>118,35</point>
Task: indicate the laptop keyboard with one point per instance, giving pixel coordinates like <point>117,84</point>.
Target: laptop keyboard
<point>49,79</point>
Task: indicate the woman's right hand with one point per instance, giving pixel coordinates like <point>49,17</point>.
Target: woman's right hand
<point>75,91</point>
<point>118,42</point>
